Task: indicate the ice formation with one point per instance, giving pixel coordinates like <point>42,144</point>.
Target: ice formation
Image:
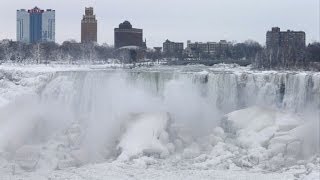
<point>206,120</point>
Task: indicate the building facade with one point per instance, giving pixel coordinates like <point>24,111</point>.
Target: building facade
<point>125,35</point>
<point>23,24</point>
<point>35,15</point>
<point>48,26</point>
<point>89,26</point>
<point>170,47</point>
<point>284,39</point>
<point>209,48</point>
<point>35,25</point>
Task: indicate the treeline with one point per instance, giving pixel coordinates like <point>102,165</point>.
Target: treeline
<point>291,57</point>
<point>313,52</point>
<point>73,52</point>
<point>237,51</point>
<point>68,51</point>
<point>247,50</point>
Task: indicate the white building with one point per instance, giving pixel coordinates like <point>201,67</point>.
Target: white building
<point>35,22</point>
<point>23,26</point>
<point>48,26</point>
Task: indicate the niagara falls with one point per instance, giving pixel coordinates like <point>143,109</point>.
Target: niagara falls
<point>193,118</point>
<point>160,90</point>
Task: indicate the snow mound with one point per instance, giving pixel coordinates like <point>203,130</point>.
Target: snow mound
<point>145,134</point>
<point>270,139</point>
<point>255,126</point>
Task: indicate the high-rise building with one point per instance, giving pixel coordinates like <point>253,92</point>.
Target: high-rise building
<point>23,30</point>
<point>125,35</point>
<point>89,26</point>
<point>48,26</point>
<point>35,25</point>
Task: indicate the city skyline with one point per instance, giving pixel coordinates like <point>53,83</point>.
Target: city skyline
<point>177,24</point>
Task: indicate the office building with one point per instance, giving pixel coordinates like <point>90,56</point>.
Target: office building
<point>23,26</point>
<point>210,48</point>
<point>284,39</point>
<point>35,25</point>
<point>48,26</point>
<point>126,35</point>
<point>170,47</point>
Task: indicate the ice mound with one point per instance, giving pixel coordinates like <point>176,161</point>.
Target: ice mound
<point>15,83</point>
<point>145,134</point>
<point>270,138</point>
<point>255,126</point>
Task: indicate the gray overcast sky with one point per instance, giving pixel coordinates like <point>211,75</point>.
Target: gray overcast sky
<point>177,20</point>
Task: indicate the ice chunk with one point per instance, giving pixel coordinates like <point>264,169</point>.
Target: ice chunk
<point>145,134</point>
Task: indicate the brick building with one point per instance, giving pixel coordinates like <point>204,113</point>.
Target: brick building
<point>89,26</point>
<point>125,35</point>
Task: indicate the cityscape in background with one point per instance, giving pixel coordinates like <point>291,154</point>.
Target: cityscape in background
<point>89,27</point>
<point>37,27</point>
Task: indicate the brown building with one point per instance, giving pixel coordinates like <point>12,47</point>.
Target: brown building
<point>125,35</point>
<point>284,39</point>
<point>89,26</point>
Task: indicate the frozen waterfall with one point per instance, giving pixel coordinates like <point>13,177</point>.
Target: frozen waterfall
<point>71,118</point>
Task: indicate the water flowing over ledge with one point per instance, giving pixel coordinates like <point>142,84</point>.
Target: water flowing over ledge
<point>209,118</point>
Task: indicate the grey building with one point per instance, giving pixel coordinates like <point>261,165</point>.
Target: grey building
<point>209,48</point>
<point>170,47</point>
<point>48,26</point>
<point>284,39</point>
<point>23,26</point>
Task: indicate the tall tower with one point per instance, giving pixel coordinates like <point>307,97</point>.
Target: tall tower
<point>35,24</point>
<point>89,26</point>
